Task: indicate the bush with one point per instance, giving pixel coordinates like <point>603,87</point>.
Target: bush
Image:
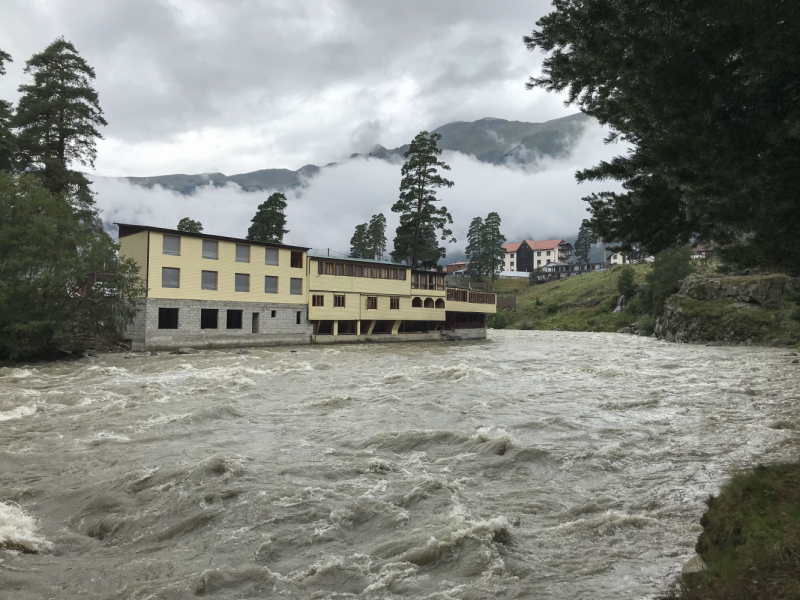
<point>538,301</point>
<point>670,267</point>
<point>625,282</point>
<point>646,324</point>
<point>499,320</point>
<point>552,309</point>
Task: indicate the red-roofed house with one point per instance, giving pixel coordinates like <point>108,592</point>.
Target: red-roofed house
<point>529,255</point>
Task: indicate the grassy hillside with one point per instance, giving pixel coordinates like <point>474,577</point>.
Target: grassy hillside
<point>582,303</point>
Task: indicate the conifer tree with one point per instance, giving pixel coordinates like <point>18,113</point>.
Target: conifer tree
<point>376,236</point>
<point>493,242</point>
<point>189,225</point>
<point>8,145</point>
<point>419,217</point>
<point>269,223</point>
<point>475,250</point>
<point>57,117</point>
<point>359,243</point>
<point>583,245</point>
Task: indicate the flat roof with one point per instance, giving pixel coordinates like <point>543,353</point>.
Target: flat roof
<point>126,229</point>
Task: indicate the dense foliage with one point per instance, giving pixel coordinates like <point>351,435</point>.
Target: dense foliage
<point>708,96</point>
<point>625,282</point>
<point>269,222</point>
<point>190,225</point>
<point>416,239</point>
<point>485,250</point>
<point>62,286</point>
<point>670,268</point>
<point>369,239</point>
<point>583,245</point>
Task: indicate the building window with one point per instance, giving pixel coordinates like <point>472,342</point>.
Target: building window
<point>394,303</point>
<point>270,285</point>
<point>548,253</point>
<point>538,263</point>
<point>297,260</point>
<point>234,320</point>
<point>209,318</point>
<point>372,302</point>
<point>172,245</point>
<point>415,281</point>
<point>512,264</point>
<point>167,318</point>
<point>338,300</point>
<point>512,255</point>
<point>242,282</point>
<point>318,300</point>
<point>299,316</point>
<point>271,256</point>
<point>210,249</point>
<point>328,268</point>
<point>208,280</point>
<point>296,287</point>
<point>548,261</point>
<point>429,303</point>
<point>416,303</point>
<point>254,328</point>
<point>274,313</point>
<point>402,274</point>
<point>358,271</point>
<point>348,270</point>
<point>367,271</point>
<point>242,253</point>
<point>339,271</point>
<point>538,254</point>
<point>170,278</point>
<point>439,303</point>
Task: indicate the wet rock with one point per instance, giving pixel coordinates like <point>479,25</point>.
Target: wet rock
<point>694,565</point>
<point>795,361</point>
<point>153,353</point>
<point>186,351</point>
<point>243,352</point>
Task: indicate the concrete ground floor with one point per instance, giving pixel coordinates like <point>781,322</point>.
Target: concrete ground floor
<point>165,324</point>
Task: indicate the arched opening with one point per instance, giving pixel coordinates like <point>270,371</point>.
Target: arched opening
<point>416,302</point>
<point>439,303</point>
<point>429,303</point>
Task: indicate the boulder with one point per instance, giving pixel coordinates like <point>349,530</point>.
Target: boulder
<point>186,351</point>
<point>693,565</point>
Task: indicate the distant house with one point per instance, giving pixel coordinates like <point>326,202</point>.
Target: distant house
<point>617,258</point>
<point>528,255</point>
<point>702,250</point>
<point>562,270</point>
<point>456,266</point>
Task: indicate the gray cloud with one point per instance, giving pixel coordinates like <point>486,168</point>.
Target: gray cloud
<point>237,85</point>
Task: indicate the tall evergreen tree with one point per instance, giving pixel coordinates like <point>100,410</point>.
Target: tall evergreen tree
<point>583,245</point>
<point>269,223</point>
<point>418,214</point>
<point>493,241</point>
<point>707,95</point>
<point>190,225</point>
<point>376,235</point>
<point>475,249</point>
<point>57,117</point>
<point>8,145</point>
<point>359,243</point>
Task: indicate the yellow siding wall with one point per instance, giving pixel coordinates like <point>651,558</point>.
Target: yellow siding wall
<point>191,263</point>
<point>454,306</point>
<point>356,308</point>
<point>135,247</point>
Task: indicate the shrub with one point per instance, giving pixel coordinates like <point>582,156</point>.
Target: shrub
<point>625,282</point>
<point>552,309</point>
<point>646,324</point>
<point>499,320</point>
<point>538,301</point>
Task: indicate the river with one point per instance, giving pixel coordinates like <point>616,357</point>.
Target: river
<point>546,465</point>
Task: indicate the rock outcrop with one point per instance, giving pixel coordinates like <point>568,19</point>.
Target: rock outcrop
<point>733,310</point>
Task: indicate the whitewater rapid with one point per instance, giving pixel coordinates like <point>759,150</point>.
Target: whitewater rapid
<point>545,465</point>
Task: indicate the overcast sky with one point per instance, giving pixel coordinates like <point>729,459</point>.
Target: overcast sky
<point>238,85</point>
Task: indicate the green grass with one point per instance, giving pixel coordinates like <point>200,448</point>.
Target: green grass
<point>751,539</point>
<point>581,303</point>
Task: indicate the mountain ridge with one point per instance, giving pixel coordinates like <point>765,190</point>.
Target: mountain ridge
<point>490,140</point>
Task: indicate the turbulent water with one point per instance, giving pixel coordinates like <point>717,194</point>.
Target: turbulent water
<point>530,465</point>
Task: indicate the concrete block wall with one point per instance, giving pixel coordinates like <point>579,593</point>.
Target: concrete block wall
<point>281,329</point>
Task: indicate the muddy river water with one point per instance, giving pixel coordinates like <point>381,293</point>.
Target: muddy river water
<point>530,465</point>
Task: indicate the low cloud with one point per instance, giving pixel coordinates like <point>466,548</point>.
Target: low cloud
<point>539,201</point>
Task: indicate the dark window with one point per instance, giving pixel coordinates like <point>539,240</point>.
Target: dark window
<point>172,245</point>
<point>429,303</point>
<point>270,256</point>
<point>234,319</point>
<point>439,303</point>
<point>338,300</point>
<point>242,253</point>
<point>255,323</point>
<point>414,281</point>
<point>208,280</point>
<point>210,249</point>
<point>270,285</point>
<point>299,316</point>
<point>358,271</point>
<point>339,269</point>
<point>274,313</point>
<point>167,318</point>
<point>297,260</point>
<point>328,268</point>
<point>416,302</point>
<point>348,270</point>
<point>242,282</point>
<point>170,278</point>
<point>402,274</point>
<point>320,267</point>
<point>209,318</point>
<point>367,271</point>
<point>318,300</point>
<point>296,286</point>
<point>394,304</point>
<point>372,302</point>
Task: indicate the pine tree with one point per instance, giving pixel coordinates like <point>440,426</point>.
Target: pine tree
<point>269,223</point>
<point>583,245</point>
<point>419,217</point>
<point>359,243</point>
<point>475,249</point>
<point>189,225</point>
<point>8,144</point>
<point>493,242</point>
<point>376,236</point>
<point>58,117</point>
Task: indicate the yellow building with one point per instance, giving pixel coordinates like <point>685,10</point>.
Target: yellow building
<point>213,291</point>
